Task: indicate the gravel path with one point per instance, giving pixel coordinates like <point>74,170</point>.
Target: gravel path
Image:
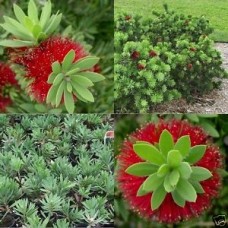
<point>214,102</point>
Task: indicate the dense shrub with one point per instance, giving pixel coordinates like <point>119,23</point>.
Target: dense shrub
<point>55,171</point>
<point>163,58</point>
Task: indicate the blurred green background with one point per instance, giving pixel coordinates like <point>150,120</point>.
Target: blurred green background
<point>214,10</point>
<point>217,128</point>
<point>89,22</point>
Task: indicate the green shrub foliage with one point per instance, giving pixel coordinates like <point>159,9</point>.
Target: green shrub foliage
<point>162,58</point>
<point>55,171</point>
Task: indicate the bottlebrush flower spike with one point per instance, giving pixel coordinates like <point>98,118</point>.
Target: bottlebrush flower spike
<point>140,66</point>
<point>29,30</point>
<point>60,68</point>
<point>169,172</point>
<point>135,55</point>
<point>152,54</point>
<point>7,80</point>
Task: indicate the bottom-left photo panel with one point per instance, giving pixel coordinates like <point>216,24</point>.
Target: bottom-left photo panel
<point>56,171</point>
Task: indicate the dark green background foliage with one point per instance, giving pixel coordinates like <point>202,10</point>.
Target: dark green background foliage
<point>217,128</point>
<point>55,171</point>
<point>91,23</point>
<point>163,58</point>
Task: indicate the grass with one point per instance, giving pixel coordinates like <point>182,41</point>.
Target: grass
<point>215,11</point>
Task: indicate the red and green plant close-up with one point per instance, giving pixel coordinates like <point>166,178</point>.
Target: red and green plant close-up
<point>168,171</point>
<point>55,71</point>
<point>162,58</point>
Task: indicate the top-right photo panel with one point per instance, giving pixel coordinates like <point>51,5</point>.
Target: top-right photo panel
<point>171,56</point>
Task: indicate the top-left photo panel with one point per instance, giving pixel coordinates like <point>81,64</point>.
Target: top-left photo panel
<point>56,56</point>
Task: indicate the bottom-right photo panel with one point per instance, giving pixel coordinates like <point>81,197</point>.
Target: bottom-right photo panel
<point>171,170</point>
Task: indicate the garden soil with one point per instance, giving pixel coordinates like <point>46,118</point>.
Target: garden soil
<point>213,102</point>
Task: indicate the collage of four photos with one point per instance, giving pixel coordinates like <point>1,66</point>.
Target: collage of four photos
<point>113,113</point>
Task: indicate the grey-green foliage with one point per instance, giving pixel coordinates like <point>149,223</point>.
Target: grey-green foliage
<point>54,167</point>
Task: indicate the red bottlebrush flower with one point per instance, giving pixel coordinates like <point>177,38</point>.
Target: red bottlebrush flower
<point>172,154</point>
<point>153,54</point>
<point>192,49</point>
<point>38,61</point>
<point>7,80</point>
<point>127,18</point>
<point>97,68</point>
<point>189,66</point>
<point>140,66</point>
<point>135,55</point>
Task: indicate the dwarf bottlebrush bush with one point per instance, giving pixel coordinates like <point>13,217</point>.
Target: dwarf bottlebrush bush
<point>176,58</point>
<point>143,75</point>
<point>55,170</point>
<point>169,171</point>
<point>38,57</point>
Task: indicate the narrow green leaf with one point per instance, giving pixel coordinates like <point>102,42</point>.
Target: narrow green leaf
<point>41,108</point>
<point>200,173</point>
<point>185,170</point>
<point>55,21</point>
<point>69,87</point>
<point>186,190</point>
<point>68,60</point>
<point>174,177</point>
<point>56,67</point>
<point>158,197</point>
<point>45,14</point>
<point>141,191</point>
<point>174,158</point>
<point>149,153</point>
<point>72,71</point>
<point>33,11</point>
<point>51,78</point>
<point>36,31</point>
<point>198,187</point>
<point>193,117</point>
<point>178,199</point>
<point>15,32</point>
<point>79,97</point>
<point>19,13</point>
<point>59,94</point>
<point>94,77</point>
<point>163,170</point>
<point>210,129</point>
<point>58,79</point>
<point>69,101</point>
<point>141,169</point>
<point>196,153</point>
<point>86,63</point>
<point>28,23</point>
<point>167,185</point>
<point>82,81</point>
<point>83,92</point>
<point>15,43</point>
<point>183,144</point>
<point>166,142</point>
<point>152,182</point>
<point>51,94</point>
